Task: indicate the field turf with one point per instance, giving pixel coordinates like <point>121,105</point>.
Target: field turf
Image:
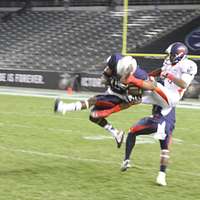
<point>44,156</point>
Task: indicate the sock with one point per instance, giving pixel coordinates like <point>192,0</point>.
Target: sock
<point>72,106</point>
<point>164,158</point>
<point>130,143</point>
<point>163,168</point>
<point>86,104</point>
<point>111,130</point>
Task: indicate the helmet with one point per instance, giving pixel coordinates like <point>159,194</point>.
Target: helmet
<point>112,62</point>
<point>126,65</point>
<point>176,52</point>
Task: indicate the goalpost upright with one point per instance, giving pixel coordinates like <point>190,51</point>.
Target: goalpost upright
<point>124,39</point>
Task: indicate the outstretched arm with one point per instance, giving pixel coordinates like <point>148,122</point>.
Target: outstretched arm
<point>179,82</point>
<point>155,72</point>
<point>148,85</point>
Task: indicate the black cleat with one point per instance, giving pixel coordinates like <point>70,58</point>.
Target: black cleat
<point>56,105</point>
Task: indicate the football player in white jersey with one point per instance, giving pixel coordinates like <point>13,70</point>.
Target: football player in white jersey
<point>177,73</point>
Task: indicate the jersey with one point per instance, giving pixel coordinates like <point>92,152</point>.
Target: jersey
<point>115,86</point>
<point>120,88</point>
<point>185,69</point>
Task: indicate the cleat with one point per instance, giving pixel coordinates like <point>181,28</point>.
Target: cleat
<point>161,179</point>
<point>119,139</point>
<point>125,165</point>
<point>56,105</point>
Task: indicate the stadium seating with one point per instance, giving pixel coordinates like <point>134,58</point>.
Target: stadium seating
<point>78,40</point>
<point>131,2</point>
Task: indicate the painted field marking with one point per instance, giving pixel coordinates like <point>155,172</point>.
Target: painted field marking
<point>91,160</point>
<point>53,155</point>
<point>37,127</point>
<point>142,139</point>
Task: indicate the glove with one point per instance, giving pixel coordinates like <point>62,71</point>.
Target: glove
<point>133,100</point>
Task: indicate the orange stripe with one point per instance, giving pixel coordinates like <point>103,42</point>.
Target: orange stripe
<point>162,94</point>
<point>138,128</point>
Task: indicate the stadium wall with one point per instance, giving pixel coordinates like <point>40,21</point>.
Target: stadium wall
<point>51,80</point>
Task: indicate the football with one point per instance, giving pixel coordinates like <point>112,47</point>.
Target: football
<point>135,91</point>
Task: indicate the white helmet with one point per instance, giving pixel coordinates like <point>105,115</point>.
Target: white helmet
<point>126,65</point>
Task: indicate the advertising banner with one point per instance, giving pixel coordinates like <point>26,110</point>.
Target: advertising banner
<point>32,79</point>
<point>51,80</point>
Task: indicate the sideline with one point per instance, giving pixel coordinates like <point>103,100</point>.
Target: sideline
<point>45,93</point>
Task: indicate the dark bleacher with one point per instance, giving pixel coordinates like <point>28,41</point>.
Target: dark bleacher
<point>144,27</point>
<point>79,40</point>
<point>20,3</point>
<point>91,3</point>
<point>131,2</point>
<point>66,40</point>
<point>163,2</point>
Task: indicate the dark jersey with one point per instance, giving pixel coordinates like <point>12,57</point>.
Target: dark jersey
<point>118,87</point>
<point>114,81</point>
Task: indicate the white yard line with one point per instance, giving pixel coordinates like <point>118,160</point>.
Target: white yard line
<point>53,155</point>
<point>55,130</point>
<point>90,160</point>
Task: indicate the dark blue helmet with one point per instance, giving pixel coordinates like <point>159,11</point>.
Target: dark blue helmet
<point>177,51</point>
<point>112,62</point>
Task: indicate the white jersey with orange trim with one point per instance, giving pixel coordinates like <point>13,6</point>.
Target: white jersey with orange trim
<point>169,94</point>
<point>185,70</point>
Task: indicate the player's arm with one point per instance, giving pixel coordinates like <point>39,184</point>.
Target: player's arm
<point>181,82</point>
<point>188,70</point>
<point>155,72</point>
<point>147,85</point>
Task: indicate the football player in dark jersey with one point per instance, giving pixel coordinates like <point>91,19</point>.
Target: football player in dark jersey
<point>117,97</point>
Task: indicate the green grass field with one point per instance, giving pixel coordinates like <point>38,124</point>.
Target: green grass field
<point>44,156</point>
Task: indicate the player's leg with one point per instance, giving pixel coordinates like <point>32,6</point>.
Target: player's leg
<point>161,96</point>
<point>116,134</point>
<point>149,97</point>
<point>144,127</point>
<point>62,107</point>
<point>114,109</point>
<point>157,93</point>
<point>164,159</point>
<point>99,112</point>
